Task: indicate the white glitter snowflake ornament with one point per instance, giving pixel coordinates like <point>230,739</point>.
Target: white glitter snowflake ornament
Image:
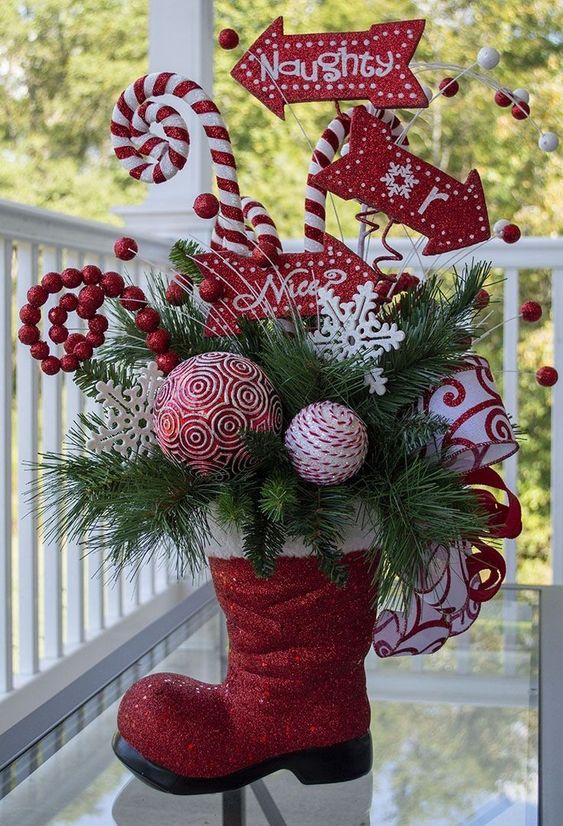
<point>128,414</point>
<point>348,328</point>
<point>399,179</point>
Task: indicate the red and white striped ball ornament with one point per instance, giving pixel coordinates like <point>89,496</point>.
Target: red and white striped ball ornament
<point>327,443</point>
<point>206,402</point>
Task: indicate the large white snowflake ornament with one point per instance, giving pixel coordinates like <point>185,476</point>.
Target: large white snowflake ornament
<point>399,179</point>
<point>349,328</point>
<point>128,414</point>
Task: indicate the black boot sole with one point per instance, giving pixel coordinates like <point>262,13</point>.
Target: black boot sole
<point>329,764</point>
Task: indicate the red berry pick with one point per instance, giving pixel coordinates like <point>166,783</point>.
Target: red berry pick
<point>406,281</point>
<point>228,39</point>
<point>167,362</point>
<point>158,341</point>
<point>449,87</point>
<point>175,294</point>
<point>520,110</point>
<point>511,233</point>
<point>51,365</point>
<point>125,248</point>
<point>147,320</point>
<point>210,290</point>
<point>78,347</point>
<point>133,299</point>
<point>547,376</point>
<point>482,299</point>
<point>52,282</point>
<point>502,98</point>
<point>531,311</point>
<point>206,205</point>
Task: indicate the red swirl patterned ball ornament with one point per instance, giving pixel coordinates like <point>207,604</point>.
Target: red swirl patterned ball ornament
<point>327,443</point>
<point>205,403</point>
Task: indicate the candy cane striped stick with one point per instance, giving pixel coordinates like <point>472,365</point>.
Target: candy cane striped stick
<point>331,141</point>
<point>155,159</point>
<point>264,227</point>
<point>389,117</point>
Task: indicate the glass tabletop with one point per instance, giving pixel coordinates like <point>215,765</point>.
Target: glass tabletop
<point>455,740</point>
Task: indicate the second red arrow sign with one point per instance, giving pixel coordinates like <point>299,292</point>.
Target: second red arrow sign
<point>385,176</point>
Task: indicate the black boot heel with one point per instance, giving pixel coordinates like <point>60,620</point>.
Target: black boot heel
<point>332,764</point>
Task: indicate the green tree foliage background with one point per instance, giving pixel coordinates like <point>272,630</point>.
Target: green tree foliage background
<point>64,62</point>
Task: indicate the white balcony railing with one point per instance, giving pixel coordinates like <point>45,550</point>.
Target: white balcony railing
<point>52,599</point>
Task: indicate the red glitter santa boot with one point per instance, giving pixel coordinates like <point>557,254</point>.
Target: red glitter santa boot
<point>294,696</point>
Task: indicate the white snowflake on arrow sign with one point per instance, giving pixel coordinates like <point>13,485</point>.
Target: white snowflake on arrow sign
<point>395,172</point>
<point>349,328</point>
<point>128,413</point>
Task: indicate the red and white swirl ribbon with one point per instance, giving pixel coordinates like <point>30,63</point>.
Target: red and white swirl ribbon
<point>331,141</point>
<point>156,156</point>
<point>420,630</point>
<point>446,603</point>
<point>263,225</point>
<point>456,581</point>
<point>479,432</point>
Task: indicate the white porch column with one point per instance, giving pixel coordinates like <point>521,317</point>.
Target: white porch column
<point>180,40</point>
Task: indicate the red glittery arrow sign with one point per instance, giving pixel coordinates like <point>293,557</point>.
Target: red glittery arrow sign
<point>386,177</point>
<point>276,291</point>
<point>373,64</point>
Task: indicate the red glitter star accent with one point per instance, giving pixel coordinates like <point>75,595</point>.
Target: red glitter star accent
<point>291,285</point>
<point>385,176</point>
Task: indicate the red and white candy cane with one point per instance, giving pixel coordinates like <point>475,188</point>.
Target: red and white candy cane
<point>152,158</point>
<point>331,141</point>
<point>264,227</point>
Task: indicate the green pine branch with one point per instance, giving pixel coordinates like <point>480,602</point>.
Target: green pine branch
<point>263,541</point>
<point>94,370</point>
<point>320,521</point>
<point>234,504</point>
<point>126,344</point>
<point>266,447</point>
<point>127,509</point>
<point>411,503</point>
<point>181,258</point>
<point>437,327</point>
<point>279,495</point>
